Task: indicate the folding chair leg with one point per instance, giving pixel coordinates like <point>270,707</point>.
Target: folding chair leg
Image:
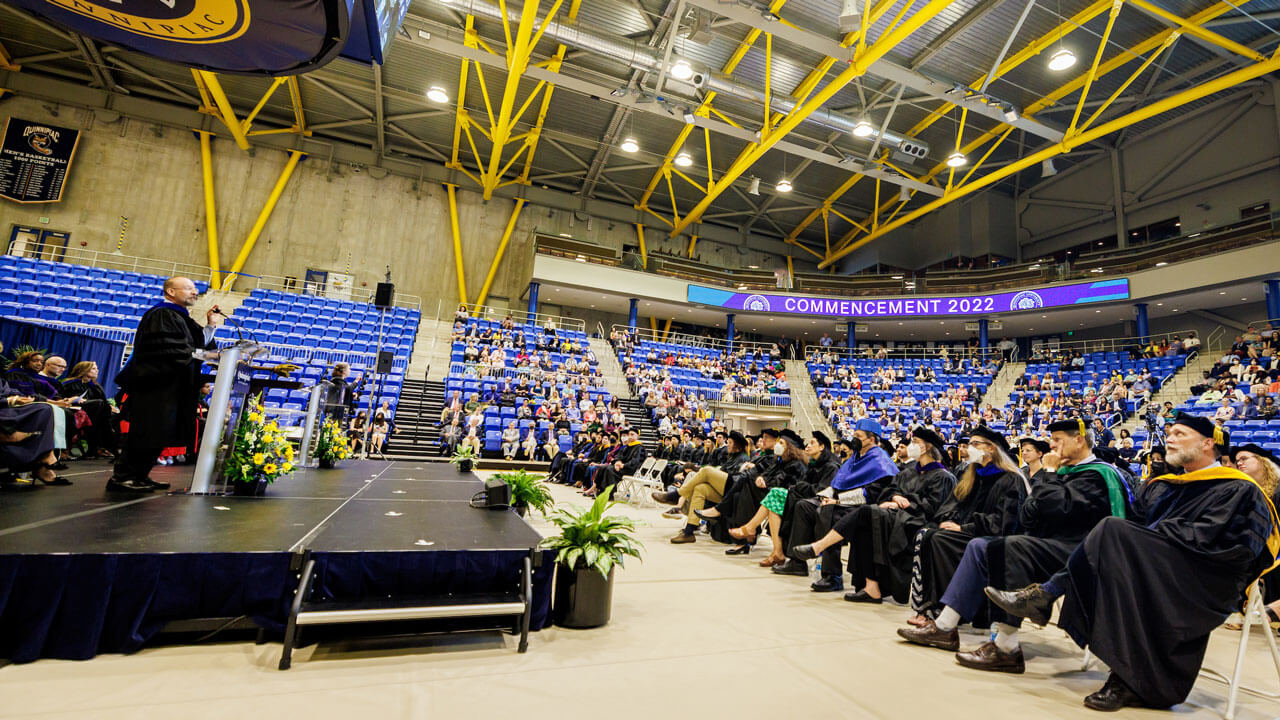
<point>1088,659</point>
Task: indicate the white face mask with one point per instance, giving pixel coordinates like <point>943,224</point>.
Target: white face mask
<point>975,455</point>
<point>914,451</point>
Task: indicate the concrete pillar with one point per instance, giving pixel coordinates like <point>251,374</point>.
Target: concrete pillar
<point>1272,289</point>
<point>631,314</point>
<point>851,329</point>
<point>1140,315</point>
<point>982,337</point>
<point>728,330</point>
<point>533,300</point>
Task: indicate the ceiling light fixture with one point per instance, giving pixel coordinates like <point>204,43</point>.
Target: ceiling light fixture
<point>437,94</point>
<point>684,159</point>
<point>957,159</point>
<point>1047,168</point>
<point>753,188</point>
<point>783,186</point>
<point>1062,60</point>
<point>682,70</point>
<point>629,144</point>
<point>863,129</point>
<point>1161,263</point>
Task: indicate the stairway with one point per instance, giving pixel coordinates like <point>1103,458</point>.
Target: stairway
<point>431,350</point>
<point>417,436</point>
<point>1002,386</point>
<point>638,416</point>
<point>615,379</point>
<point>806,413</point>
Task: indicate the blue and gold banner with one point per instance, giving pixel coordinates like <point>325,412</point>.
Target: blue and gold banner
<point>34,160</point>
<point>271,37</point>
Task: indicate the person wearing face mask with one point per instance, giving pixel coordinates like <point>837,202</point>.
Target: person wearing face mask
<point>768,495</point>
<point>1154,464</point>
<point>880,533</point>
<point>985,503</point>
<point>757,464</point>
<point>863,476</point>
<point>1201,537</point>
<point>821,468</point>
<point>1057,514</point>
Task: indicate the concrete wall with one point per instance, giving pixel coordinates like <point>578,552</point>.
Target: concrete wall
<point>972,227</point>
<point>328,218</point>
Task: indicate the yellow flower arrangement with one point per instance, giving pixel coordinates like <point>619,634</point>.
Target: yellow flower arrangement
<point>260,450</point>
<point>332,443</point>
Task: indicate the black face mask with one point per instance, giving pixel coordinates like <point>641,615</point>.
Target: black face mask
<point>1158,469</point>
<point>855,445</point>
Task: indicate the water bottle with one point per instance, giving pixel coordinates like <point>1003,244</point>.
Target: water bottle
<point>817,568</point>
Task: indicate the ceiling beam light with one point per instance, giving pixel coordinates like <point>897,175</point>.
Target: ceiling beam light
<point>630,145</point>
<point>783,186</point>
<point>684,159</point>
<point>437,94</point>
<point>682,70</point>
<point>957,159</point>
<point>1047,168</point>
<point>863,129</point>
<point>1062,60</point>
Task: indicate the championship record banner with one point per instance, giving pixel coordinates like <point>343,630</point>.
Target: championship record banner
<point>34,160</point>
<point>909,307</point>
<point>272,37</point>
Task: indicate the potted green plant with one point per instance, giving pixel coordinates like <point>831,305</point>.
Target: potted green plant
<point>590,544</point>
<point>332,444</point>
<point>527,491</point>
<point>463,456</point>
<point>260,452</point>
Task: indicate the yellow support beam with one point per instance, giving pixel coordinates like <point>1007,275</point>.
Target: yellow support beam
<point>666,330</point>
<point>261,223</point>
<point>1093,68</point>
<point>497,255</point>
<point>693,243</point>
<point>855,69</point>
<point>210,208</point>
<point>653,325</point>
<point>518,51</point>
<point>223,106</point>
<point>1145,113</point>
<point>457,243</point>
<point>295,98</point>
<point>6,60</point>
<point>253,114</point>
<point>1196,29</point>
<point>644,254</point>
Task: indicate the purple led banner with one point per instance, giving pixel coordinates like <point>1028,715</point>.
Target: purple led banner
<point>977,304</point>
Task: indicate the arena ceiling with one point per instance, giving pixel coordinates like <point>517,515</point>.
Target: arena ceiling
<point>928,77</point>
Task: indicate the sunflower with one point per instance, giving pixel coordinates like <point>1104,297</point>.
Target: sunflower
<point>259,458</point>
<point>269,468</point>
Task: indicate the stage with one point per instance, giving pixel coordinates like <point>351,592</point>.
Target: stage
<point>84,572</point>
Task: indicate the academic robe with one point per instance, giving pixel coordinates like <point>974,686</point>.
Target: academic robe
<point>989,510</point>
<point>781,473</point>
<point>1144,592</point>
<point>817,477</point>
<point>761,461</point>
<point>35,417</point>
<point>632,456</point>
<point>162,379</point>
<point>560,463</point>
<point>579,468</point>
<point>882,540</point>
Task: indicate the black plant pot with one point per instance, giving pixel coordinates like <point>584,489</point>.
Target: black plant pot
<point>521,509</point>
<point>250,489</point>
<point>583,599</point>
<point>464,466</point>
<point>326,463</point>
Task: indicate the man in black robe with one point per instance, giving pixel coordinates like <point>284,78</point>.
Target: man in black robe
<point>560,463</point>
<point>1055,517</point>
<point>626,462</point>
<point>1144,592</point>
<point>757,464</point>
<point>162,381</point>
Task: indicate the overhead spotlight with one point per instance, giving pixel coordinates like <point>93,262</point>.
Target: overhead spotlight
<point>957,159</point>
<point>629,144</point>
<point>1047,169</point>
<point>783,186</point>
<point>437,94</point>
<point>682,70</point>
<point>684,159</point>
<point>620,91</point>
<point>1062,60</point>
<point>754,187</point>
<point>1010,114</point>
<point>904,194</point>
<point>897,277</point>
<point>863,129</point>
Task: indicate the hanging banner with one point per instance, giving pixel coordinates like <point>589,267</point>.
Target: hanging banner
<point>34,160</point>
<point>917,306</point>
<point>271,37</point>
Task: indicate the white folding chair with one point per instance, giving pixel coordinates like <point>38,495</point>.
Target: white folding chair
<point>627,486</point>
<point>648,483</point>
<point>1255,613</point>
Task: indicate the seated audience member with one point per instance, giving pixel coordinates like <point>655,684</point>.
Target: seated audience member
<point>882,531</point>
<point>1143,592</point>
<point>759,461</point>
<point>626,461</point>
<point>450,435</point>
<point>561,460</point>
<point>24,376</point>
<point>82,382</point>
<point>1055,517</point>
<point>29,433</point>
<point>708,483</point>
<point>768,495</point>
<point>510,440</point>
<point>1032,452</point>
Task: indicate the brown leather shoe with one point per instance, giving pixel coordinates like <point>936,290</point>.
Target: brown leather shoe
<point>680,538</point>
<point>930,636</point>
<point>1113,695</point>
<point>989,657</point>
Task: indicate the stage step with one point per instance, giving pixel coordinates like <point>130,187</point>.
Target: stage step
<point>480,605</point>
<point>417,433</point>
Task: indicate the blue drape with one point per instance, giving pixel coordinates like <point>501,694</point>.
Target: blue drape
<point>73,346</point>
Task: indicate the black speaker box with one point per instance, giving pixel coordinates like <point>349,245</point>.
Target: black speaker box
<point>385,358</point>
<point>384,295</point>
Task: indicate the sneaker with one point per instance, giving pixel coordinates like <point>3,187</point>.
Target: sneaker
<point>673,513</point>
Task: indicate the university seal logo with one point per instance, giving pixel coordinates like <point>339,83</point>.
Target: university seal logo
<point>184,21</point>
<point>756,302</point>
<point>1026,300</point>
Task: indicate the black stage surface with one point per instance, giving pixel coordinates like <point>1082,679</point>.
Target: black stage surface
<point>83,571</point>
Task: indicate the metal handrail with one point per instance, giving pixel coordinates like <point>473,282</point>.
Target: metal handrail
<point>487,312</point>
<point>1117,344</point>
<point>907,353</point>
<point>130,263</point>
<point>695,341</point>
<point>292,285</point>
